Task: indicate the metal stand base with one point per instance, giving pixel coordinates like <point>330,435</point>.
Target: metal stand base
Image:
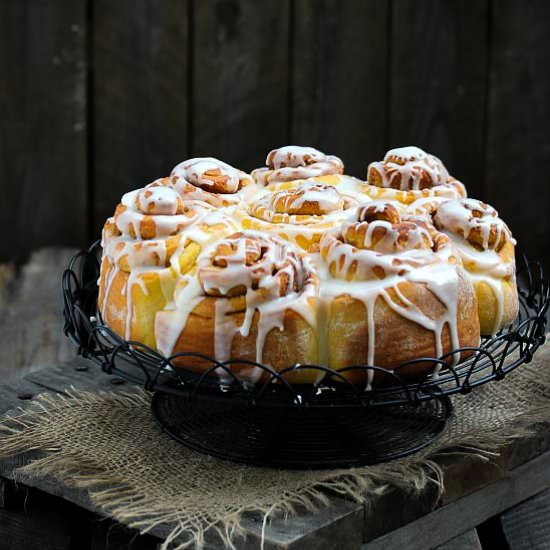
<point>301,437</point>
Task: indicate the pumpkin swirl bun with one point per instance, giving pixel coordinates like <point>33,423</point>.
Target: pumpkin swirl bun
<point>153,237</point>
<point>212,181</point>
<point>486,247</point>
<point>300,213</point>
<point>393,280</point>
<point>250,296</point>
<point>409,173</point>
<point>301,264</point>
<point>293,162</point>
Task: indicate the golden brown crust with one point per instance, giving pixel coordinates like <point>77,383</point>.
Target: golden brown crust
<point>407,169</point>
<point>408,174</point>
<point>498,304</point>
<point>376,246</point>
<point>348,322</point>
<point>475,221</point>
<point>295,343</point>
<point>257,264</point>
<point>368,246</point>
<point>451,190</point>
<point>255,299</point>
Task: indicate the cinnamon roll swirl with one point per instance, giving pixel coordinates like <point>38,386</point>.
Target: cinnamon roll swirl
<point>153,237</point>
<point>486,247</point>
<point>394,281</point>
<point>212,181</point>
<point>409,173</point>
<point>249,297</point>
<point>299,213</point>
<point>293,162</point>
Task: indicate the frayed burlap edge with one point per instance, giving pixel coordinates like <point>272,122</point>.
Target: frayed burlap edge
<point>113,496</point>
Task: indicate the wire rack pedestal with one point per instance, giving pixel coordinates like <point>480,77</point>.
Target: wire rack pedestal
<point>300,437</point>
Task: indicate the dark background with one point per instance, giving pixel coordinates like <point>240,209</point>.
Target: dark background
<point>99,97</point>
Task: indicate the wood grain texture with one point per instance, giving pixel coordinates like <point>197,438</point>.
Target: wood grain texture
<point>43,130</point>
<point>518,139</point>
<point>20,531</point>
<point>476,489</point>
<point>338,525</point>
<point>140,52</point>
<point>240,79</point>
<point>31,318</point>
<point>3,490</point>
<point>467,541</point>
<point>109,535</point>
<point>33,520</point>
<point>465,513</point>
<point>526,525</point>
<point>339,79</point>
<point>438,83</point>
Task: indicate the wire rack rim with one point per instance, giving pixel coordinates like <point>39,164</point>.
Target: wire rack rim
<point>492,360</point>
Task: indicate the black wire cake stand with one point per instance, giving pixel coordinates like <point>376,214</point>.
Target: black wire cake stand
<point>332,423</point>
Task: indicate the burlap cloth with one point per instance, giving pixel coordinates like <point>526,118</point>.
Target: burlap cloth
<point>110,444</point>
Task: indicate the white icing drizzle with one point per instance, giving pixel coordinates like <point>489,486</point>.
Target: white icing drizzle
<point>420,257</point>
<point>141,230</point>
<point>210,228</point>
<point>153,226</point>
<point>212,181</point>
<point>306,203</point>
<point>269,273</point>
<point>468,216</point>
<point>327,198</point>
<point>425,206</point>
<point>294,162</point>
<point>479,235</point>
<point>408,168</point>
<point>148,226</point>
<point>346,185</point>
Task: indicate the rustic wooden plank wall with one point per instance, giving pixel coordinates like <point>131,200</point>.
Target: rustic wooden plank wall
<point>518,121</point>
<point>43,125</point>
<point>339,77</point>
<point>100,97</point>
<point>139,96</point>
<point>437,97</point>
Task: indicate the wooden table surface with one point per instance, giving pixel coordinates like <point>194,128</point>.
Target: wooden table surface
<point>39,512</point>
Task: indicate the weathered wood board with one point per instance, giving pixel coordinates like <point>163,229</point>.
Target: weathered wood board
<point>340,90</point>
<point>476,490</point>
<point>437,64</point>
<point>141,57</point>
<point>527,525</point>
<point>240,79</point>
<point>44,123</point>
<point>31,319</point>
<point>518,127</point>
